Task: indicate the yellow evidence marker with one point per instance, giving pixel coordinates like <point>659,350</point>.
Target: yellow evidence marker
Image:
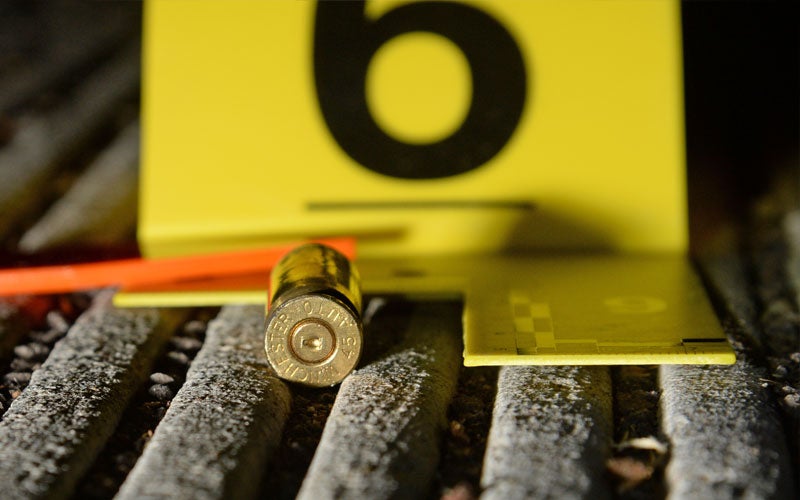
<point>420,127</point>
<point>443,135</point>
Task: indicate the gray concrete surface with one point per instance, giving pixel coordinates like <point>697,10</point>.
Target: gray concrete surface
<point>382,437</point>
<point>223,424</point>
<point>726,277</point>
<point>42,142</point>
<point>77,34</point>
<point>726,436</point>
<point>100,207</point>
<point>551,433</point>
<point>52,432</point>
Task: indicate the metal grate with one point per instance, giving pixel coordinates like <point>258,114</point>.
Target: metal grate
<point>100,403</point>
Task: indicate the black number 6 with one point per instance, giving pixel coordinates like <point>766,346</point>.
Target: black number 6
<point>344,44</point>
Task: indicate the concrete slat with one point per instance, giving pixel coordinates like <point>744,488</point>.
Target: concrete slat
<point>381,438</point>
<point>551,433</point>
<point>77,34</point>
<point>727,438</point>
<point>726,435</point>
<point>55,428</point>
<point>100,207</point>
<point>727,277</point>
<point>223,424</point>
<point>42,142</point>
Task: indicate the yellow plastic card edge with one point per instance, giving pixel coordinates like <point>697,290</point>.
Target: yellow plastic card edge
<point>728,357</point>
<point>188,299</point>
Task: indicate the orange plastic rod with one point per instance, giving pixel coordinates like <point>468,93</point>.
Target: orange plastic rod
<point>138,272</point>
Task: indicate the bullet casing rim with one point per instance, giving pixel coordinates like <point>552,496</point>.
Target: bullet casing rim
<point>345,325</point>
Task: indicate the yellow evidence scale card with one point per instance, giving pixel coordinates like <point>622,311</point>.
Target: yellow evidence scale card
<point>565,309</point>
<point>420,127</point>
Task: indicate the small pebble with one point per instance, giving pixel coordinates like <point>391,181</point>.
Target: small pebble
<point>19,364</point>
<point>41,351</point>
<point>160,392</point>
<point>161,378</point>
<point>629,471</point>
<point>781,371</point>
<point>194,327</point>
<point>17,378</point>
<point>458,432</point>
<point>792,400</point>
<point>186,343</point>
<point>461,491</point>
<point>48,337</point>
<point>178,357</point>
<point>32,351</point>
<point>24,351</point>
<point>57,322</point>
<point>795,357</point>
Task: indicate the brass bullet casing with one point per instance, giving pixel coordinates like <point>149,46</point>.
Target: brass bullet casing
<point>313,332</point>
